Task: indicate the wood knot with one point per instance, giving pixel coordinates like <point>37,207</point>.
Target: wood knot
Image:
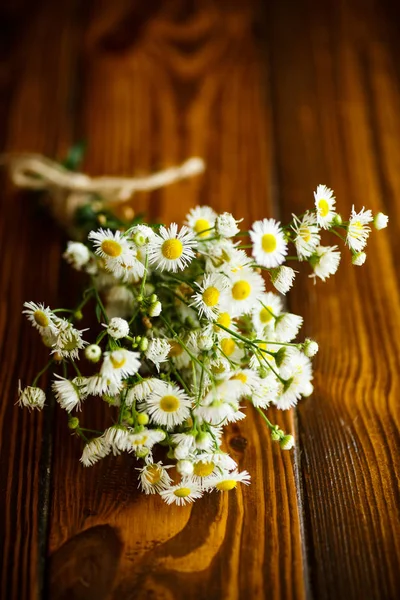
<point>238,443</point>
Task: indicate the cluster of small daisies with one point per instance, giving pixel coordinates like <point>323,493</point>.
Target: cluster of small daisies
<point>190,334</point>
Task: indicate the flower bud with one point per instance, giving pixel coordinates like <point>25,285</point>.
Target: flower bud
<point>307,389</point>
<point>142,452</point>
<point>181,451</point>
<point>155,309</point>
<point>153,298</point>
<point>287,442</point>
<point>359,259</point>
<point>143,418</point>
<point>380,221</point>
<point>78,314</point>
<point>73,423</point>
<point>337,220</point>
<point>144,344</point>
<point>310,348</point>
<point>275,436</point>
<point>93,353</point>
<point>203,440</point>
<point>184,468</point>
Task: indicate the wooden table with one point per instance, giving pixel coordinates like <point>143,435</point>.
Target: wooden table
<point>276,98</point>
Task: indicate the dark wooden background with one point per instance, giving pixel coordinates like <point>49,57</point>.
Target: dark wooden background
<point>276,97</point>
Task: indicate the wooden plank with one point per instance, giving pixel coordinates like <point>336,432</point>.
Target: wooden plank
<point>34,88</point>
<point>159,87</point>
<point>335,107</point>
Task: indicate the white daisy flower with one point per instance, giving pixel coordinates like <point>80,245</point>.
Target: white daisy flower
<point>226,225</point>
<point>201,220</point>
<point>142,390</point>
<point>267,392</point>
<point>220,460</point>
<point>211,295</point>
<point>358,229</point>
<point>31,397</point>
<point>224,257</point>
<point>269,245</point>
<point>307,235</point>
<point>178,355</point>
<point>325,262</point>
<point>380,221</point>
<point>170,250</point>
<point>41,317</point>
<point>282,278</point>
<point>119,302</point>
<point>245,289</point>
<point>226,481</point>
<point>69,340</point>
<point>226,320</point>
<point>185,444</point>
<point>249,379</point>
<point>168,406</point>
<point>98,385</point>
<point>94,451</point>
<point>146,438</point>
<point>325,206</point>
<point>218,412</point>
<point>287,327</point>
<point>111,246</point>
<point>262,356</point>
<point>129,271</point>
<point>120,363</point>
<point>157,351</point>
<point>77,255</point>
<point>185,492</point>
<point>117,438</point>
<point>117,328</point>
<point>230,349</point>
<point>68,393</point>
<point>267,308</point>
<point>154,478</point>
<point>298,384</point>
<point>49,338</point>
<point>287,442</point>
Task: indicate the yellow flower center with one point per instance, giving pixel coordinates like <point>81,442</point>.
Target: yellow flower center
<point>241,377</point>
<point>176,349</point>
<point>200,226</point>
<point>223,319</point>
<point>203,469</point>
<point>305,234</point>
<point>182,492</point>
<point>111,248</point>
<point>41,318</point>
<point>228,346</point>
<point>265,314</point>
<point>117,360</point>
<point>172,249</point>
<point>70,345</point>
<point>226,485</point>
<point>153,474</point>
<point>356,228</point>
<point>268,242</point>
<point>211,296</point>
<point>140,441</point>
<point>241,290</point>
<point>169,403</point>
<point>323,207</point>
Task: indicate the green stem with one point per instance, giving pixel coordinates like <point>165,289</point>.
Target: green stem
<point>181,343</point>
<point>101,305</point>
<point>42,371</point>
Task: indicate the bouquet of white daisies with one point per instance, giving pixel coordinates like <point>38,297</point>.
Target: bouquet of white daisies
<point>192,332</point>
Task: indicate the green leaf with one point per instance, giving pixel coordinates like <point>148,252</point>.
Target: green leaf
<point>75,156</point>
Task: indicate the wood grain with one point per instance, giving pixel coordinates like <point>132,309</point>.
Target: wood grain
<point>277,97</point>
<point>35,87</point>
<point>182,84</point>
<point>336,123</point>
